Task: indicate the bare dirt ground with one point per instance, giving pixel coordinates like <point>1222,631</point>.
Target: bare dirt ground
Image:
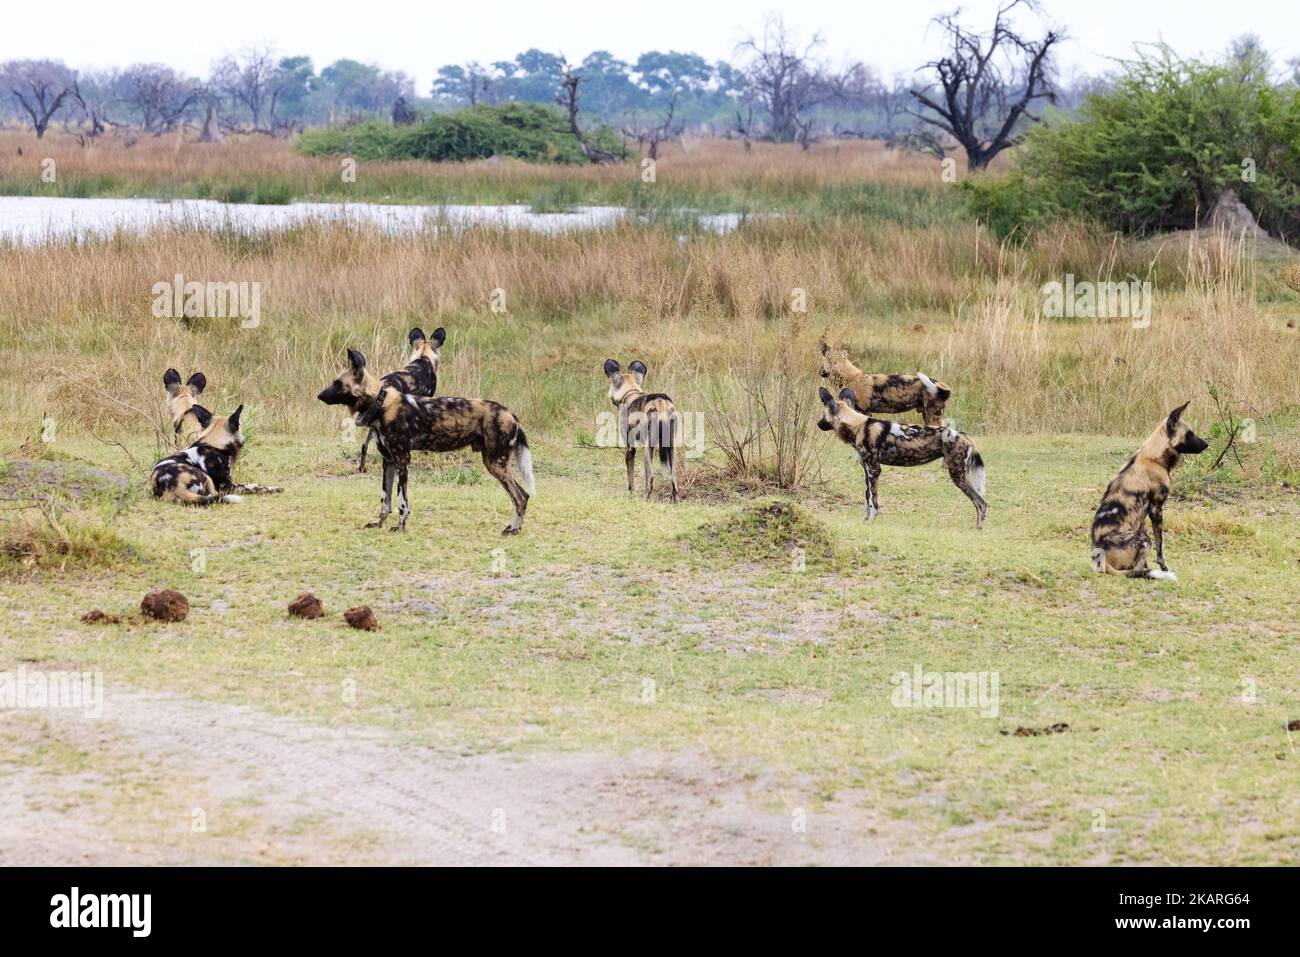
<point>167,780</point>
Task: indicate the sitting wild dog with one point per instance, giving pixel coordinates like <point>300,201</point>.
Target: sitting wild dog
<point>420,377</point>
<point>880,392</point>
<point>403,422</point>
<point>644,419</point>
<point>1120,545</point>
<point>880,442</point>
<point>188,417</point>
<point>201,474</point>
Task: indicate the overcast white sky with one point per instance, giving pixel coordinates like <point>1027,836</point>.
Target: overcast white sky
<point>420,36</point>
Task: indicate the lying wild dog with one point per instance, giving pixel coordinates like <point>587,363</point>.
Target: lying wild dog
<point>188,417</point>
<point>645,419</point>
<point>403,422</point>
<point>1120,545</point>
<point>420,377</point>
<point>885,393</point>
<point>202,473</point>
<point>881,442</point>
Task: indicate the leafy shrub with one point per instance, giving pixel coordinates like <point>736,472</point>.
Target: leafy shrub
<point>525,131</point>
<point>1154,152</point>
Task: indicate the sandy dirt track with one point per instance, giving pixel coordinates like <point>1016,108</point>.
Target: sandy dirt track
<point>129,788</point>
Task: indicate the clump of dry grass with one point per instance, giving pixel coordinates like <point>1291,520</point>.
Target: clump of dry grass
<point>48,536</point>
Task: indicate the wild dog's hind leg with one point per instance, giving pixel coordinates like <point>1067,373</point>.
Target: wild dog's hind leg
<point>649,468</point>
<point>630,456</point>
<point>960,476</point>
<point>386,497</point>
<point>498,467</point>
<point>871,471</point>
<point>403,505</point>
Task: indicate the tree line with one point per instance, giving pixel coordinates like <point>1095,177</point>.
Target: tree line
<point>978,93</point>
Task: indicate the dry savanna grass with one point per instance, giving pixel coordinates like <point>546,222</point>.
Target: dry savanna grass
<point>85,347</point>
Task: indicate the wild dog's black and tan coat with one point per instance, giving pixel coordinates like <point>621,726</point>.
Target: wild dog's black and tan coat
<point>880,442</point>
<point>646,420</point>
<point>405,422</point>
<point>202,473</point>
<point>1120,544</point>
<point>881,392</point>
<point>420,377</point>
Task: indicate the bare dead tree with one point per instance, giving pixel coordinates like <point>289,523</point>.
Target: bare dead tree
<point>745,124</point>
<point>159,94</point>
<point>40,87</point>
<point>567,98</point>
<point>988,83</point>
<point>254,81</point>
<point>653,134</point>
<point>93,107</point>
<point>785,78</point>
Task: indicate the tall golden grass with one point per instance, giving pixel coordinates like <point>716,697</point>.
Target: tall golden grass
<point>80,342</point>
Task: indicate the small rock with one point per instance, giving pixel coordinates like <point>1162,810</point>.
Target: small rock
<point>361,617</point>
<point>306,605</point>
<point>165,605</point>
<point>97,617</point>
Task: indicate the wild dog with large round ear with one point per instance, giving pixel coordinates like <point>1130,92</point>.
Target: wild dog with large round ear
<point>648,420</point>
<point>1120,545</point>
<point>881,392</point>
<point>404,422</point>
<point>188,417</point>
<point>420,377</point>
<point>879,442</point>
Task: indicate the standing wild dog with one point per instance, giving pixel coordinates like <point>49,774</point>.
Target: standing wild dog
<point>881,442</point>
<point>403,422</point>
<point>420,377</point>
<point>188,417</point>
<point>885,393</point>
<point>202,473</point>
<point>1119,540</point>
<point>646,419</point>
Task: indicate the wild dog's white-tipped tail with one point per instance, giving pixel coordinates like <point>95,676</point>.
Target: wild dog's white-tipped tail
<point>1161,575</point>
<point>524,461</point>
<point>232,499</point>
<point>975,469</point>
<point>930,385</point>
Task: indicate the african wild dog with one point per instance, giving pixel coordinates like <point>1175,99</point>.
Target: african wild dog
<point>188,417</point>
<point>403,422</point>
<point>1119,540</point>
<point>420,377</point>
<point>881,442</point>
<point>201,473</point>
<point>644,419</point>
<point>881,392</point>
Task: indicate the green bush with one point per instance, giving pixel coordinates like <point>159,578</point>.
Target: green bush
<point>525,131</point>
<point>1154,152</point>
